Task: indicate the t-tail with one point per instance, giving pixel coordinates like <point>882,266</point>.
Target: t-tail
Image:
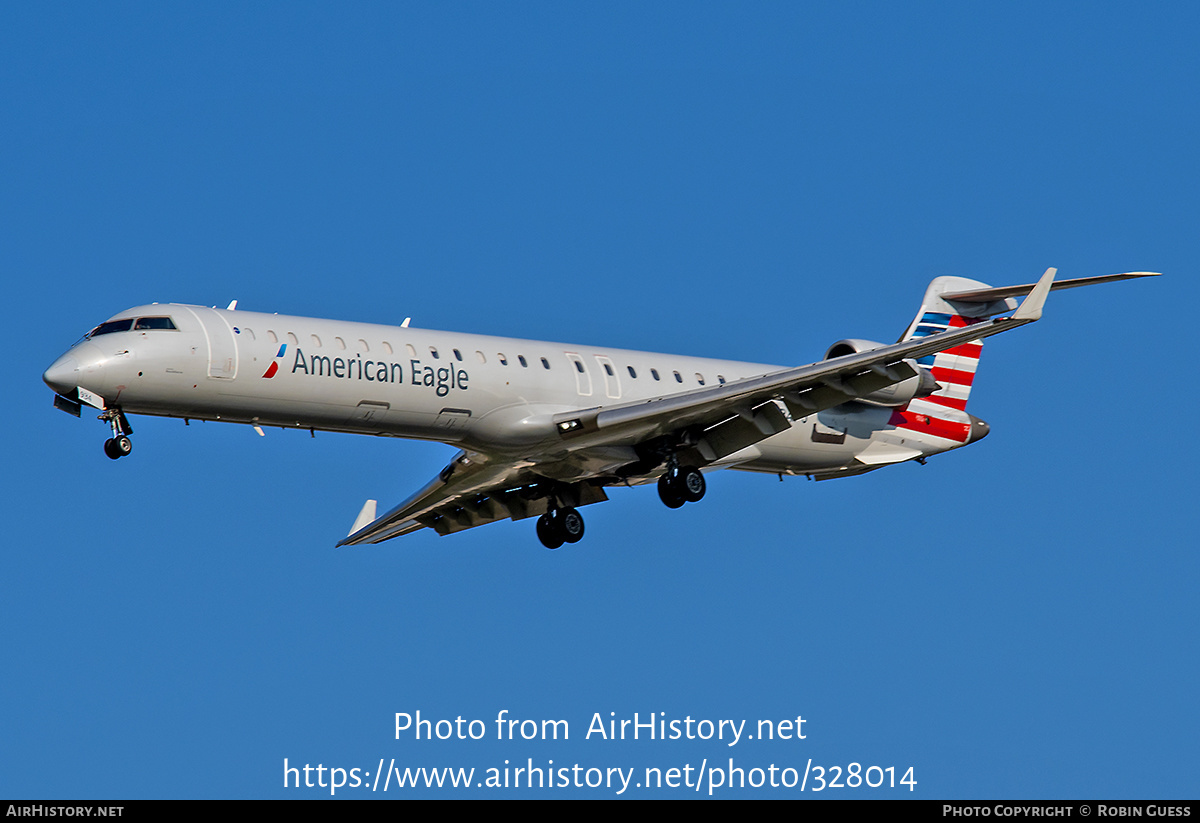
<point>942,416</point>
<point>957,302</point>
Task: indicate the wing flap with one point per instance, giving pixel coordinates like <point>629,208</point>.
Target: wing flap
<point>742,430</point>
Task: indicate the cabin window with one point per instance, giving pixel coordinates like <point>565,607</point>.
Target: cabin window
<point>678,377</point>
<point>293,339</point>
<point>632,373</point>
<point>341,344</point>
<point>545,363</point>
<point>248,332</point>
<point>316,341</point>
<point>362,345</point>
<point>578,366</point>
<point>654,374</point>
<point>608,369</point>
<point>271,336</point>
<point>700,378</point>
<point>521,360</point>
<point>721,379</point>
<point>434,352</point>
<point>387,347</point>
<point>503,360</point>
<point>458,355</point>
<point>412,350</point>
<point>479,355</point>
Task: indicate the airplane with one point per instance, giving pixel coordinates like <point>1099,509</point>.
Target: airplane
<point>544,428</point>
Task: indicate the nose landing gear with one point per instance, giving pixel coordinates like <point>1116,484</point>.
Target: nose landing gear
<point>119,444</point>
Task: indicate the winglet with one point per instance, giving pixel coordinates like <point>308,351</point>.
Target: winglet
<point>1031,306</point>
<point>366,516</point>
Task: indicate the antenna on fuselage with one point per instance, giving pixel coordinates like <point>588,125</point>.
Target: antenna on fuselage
<point>404,325</point>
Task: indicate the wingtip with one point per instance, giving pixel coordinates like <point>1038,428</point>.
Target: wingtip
<point>1031,306</point>
<point>365,517</point>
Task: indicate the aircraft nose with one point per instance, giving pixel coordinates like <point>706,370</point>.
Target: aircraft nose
<point>62,376</point>
<point>979,429</point>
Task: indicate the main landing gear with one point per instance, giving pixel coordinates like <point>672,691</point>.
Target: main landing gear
<point>119,444</point>
<point>681,484</point>
<point>558,526</point>
<point>563,524</point>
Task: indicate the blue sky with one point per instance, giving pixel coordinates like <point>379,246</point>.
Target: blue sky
<point>1017,619</point>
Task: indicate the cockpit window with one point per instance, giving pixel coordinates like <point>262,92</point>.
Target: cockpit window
<point>112,326</point>
<point>128,323</point>
<point>153,323</point>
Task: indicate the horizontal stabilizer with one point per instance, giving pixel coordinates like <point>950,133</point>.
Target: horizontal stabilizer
<point>988,295</point>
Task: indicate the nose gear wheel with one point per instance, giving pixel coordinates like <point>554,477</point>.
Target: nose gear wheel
<point>119,445</point>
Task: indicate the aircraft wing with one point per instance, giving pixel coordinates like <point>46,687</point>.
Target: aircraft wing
<point>471,491</point>
<point>734,415</point>
<point>474,489</point>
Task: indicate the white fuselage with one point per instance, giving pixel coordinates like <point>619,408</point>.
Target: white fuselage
<point>491,394</point>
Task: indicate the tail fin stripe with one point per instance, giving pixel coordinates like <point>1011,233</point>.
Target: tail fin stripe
<point>918,422</point>
<point>951,390</point>
<point>930,323</point>
<point>962,378</point>
<point>957,362</point>
<point>933,408</point>
<point>954,364</point>
<point>941,417</point>
<point>966,350</point>
<point>959,403</point>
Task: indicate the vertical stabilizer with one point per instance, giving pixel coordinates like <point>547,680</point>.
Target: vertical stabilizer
<point>942,415</point>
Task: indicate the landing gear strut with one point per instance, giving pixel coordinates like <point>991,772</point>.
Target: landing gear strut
<point>558,526</point>
<point>119,444</point>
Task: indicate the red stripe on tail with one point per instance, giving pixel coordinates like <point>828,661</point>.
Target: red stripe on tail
<point>925,424</point>
<point>959,378</point>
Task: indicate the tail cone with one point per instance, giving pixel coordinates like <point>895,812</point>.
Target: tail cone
<point>979,429</point>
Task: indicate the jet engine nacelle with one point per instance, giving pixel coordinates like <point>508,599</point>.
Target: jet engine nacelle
<point>920,385</point>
